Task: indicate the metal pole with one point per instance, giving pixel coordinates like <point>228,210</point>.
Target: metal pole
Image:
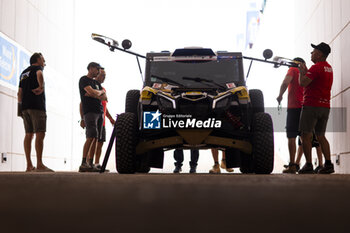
<point>289,64</point>
<point>110,144</point>
<point>250,66</point>
<point>138,62</point>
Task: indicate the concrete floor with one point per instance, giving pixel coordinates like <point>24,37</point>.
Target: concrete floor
<point>73,202</point>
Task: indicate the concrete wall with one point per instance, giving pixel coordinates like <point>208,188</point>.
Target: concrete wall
<point>328,21</point>
<point>47,27</point>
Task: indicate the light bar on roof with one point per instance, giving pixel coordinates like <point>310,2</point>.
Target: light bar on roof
<point>186,58</point>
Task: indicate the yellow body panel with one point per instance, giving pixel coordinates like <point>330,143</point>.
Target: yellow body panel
<point>242,93</point>
<point>148,92</point>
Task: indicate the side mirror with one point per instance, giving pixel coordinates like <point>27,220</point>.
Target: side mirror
<point>126,44</point>
<point>113,44</point>
<point>267,54</point>
<point>98,38</point>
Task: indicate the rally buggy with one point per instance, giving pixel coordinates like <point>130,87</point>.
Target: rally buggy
<point>193,98</point>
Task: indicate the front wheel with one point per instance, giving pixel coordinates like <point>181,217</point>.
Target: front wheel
<point>126,141</point>
<point>263,143</point>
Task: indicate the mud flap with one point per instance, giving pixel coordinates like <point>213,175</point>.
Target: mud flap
<point>156,158</point>
<point>233,158</point>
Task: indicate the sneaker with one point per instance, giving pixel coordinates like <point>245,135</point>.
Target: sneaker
<point>291,168</point>
<point>327,169</point>
<point>297,166</point>
<point>306,169</point>
<point>223,166</point>
<point>98,166</point>
<point>177,169</point>
<point>30,169</point>
<point>318,168</point>
<point>85,167</point>
<point>193,169</point>
<point>95,168</point>
<point>215,169</point>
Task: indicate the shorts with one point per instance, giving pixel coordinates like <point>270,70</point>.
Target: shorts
<point>102,134</point>
<point>314,119</point>
<point>293,117</point>
<point>92,121</point>
<point>34,120</point>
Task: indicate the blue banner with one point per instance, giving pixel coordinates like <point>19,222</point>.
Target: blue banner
<point>23,61</point>
<point>8,62</point>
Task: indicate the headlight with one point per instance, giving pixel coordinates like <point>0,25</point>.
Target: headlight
<point>146,101</point>
<point>165,103</point>
<point>222,103</point>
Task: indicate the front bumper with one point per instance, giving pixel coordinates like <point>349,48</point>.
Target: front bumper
<point>200,139</point>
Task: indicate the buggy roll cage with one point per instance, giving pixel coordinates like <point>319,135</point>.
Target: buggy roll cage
<point>126,44</point>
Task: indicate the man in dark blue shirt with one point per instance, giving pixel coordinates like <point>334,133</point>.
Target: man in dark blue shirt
<point>31,99</point>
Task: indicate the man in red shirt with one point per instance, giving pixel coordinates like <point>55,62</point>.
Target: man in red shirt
<point>295,100</point>
<point>102,136</point>
<point>318,82</point>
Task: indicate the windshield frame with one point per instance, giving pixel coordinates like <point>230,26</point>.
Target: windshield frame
<point>228,56</point>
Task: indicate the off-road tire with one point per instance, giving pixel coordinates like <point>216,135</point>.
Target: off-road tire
<point>256,101</point>
<point>144,169</point>
<point>142,165</point>
<point>246,163</point>
<point>131,101</point>
<point>263,143</point>
<point>126,141</point>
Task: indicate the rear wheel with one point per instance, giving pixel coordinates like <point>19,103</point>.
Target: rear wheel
<point>126,141</point>
<point>263,143</point>
<point>246,163</point>
<point>256,101</point>
<point>132,101</point>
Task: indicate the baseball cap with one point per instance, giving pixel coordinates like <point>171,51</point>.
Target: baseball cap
<point>94,64</point>
<point>299,59</point>
<point>323,47</point>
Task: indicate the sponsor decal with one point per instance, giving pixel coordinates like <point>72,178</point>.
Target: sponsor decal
<point>157,120</point>
<point>191,123</point>
<point>230,85</point>
<point>157,85</point>
<point>152,120</point>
